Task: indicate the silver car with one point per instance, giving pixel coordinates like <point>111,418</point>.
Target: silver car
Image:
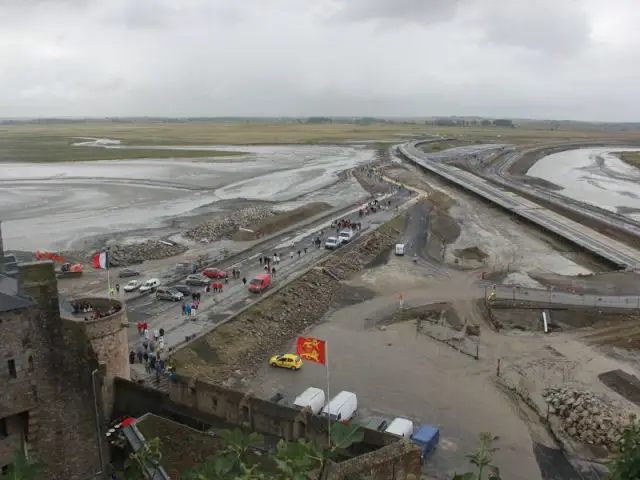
<point>197,280</point>
<point>165,293</point>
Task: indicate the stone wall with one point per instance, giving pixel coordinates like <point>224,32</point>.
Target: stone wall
<point>385,457</point>
<point>13,441</point>
<point>235,408</point>
<point>398,461</point>
<point>108,337</point>
<point>62,430</point>
<point>17,394</point>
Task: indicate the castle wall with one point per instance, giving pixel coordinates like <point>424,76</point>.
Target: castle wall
<point>62,430</point>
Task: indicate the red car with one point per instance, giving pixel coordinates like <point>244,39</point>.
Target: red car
<point>214,273</point>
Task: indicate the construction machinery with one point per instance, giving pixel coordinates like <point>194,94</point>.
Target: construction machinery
<point>66,270</point>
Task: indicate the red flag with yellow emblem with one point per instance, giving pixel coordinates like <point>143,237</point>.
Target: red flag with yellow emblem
<point>312,349</point>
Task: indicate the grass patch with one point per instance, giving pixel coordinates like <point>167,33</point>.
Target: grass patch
<point>34,148</point>
<point>441,200</point>
<point>51,142</point>
<point>630,158</point>
<point>440,146</point>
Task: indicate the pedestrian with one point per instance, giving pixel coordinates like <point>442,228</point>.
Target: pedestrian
<point>291,255</point>
<point>198,296</point>
<point>273,271</point>
<point>299,253</point>
<point>145,358</point>
<point>305,250</point>
<point>226,280</point>
<point>161,343</point>
<point>193,296</point>
<point>145,345</point>
<point>220,287</point>
<point>260,259</point>
<point>162,333</point>
<point>275,259</point>
<point>184,309</point>
<point>111,292</point>
<point>139,354</point>
<point>146,333</point>
<point>140,328</point>
<point>244,280</point>
<point>156,334</point>
<point>132,357</point>
<point>266,268</point>
<point>207,289</point>
<point>188,309</point>
<point>118,288</point>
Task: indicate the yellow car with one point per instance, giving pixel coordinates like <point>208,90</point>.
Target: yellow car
<point>286,360</point>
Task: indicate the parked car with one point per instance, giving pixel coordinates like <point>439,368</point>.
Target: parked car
<point>132,285</point>
<point>183,289</point>
<point>400,427</point>
<point>286,360</point>
<point>260,283</point>
<point>400,249</point>
<point>166,293</point>
<point>332,243</point>
<point>197,280</point>
<point>128,272</point>
<point>346,235</point>
<point>214,273</point>
<point>150,285</point>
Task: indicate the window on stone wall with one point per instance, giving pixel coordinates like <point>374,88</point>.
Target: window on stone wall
<point>4,433</point>
<point>13,373</point>
<point>30,362</point>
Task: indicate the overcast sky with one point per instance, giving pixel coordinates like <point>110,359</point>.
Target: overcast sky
<point>560,59</point>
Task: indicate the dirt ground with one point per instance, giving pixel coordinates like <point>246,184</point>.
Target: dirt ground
<point>280,221</point>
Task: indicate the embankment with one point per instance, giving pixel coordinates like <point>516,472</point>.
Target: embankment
<point>242,345</point>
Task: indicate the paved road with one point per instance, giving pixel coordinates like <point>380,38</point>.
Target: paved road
<point>601,245</point>
<point>216,307</point>
<point>556,297</point>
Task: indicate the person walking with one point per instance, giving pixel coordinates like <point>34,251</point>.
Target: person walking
<point>305,250</point>
<point>244,280</point>
<point>118,288</point>
<point>299,253</point>
<point>291,255</point>
<point>273,271</point>
<point>260,259</point>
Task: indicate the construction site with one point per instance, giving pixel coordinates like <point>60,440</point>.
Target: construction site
<point>487,321</point>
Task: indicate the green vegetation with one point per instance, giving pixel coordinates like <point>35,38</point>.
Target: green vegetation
<point>630,158</point>
<point>23,468</point>
<point>445,145</point>
<point>36,148</point>
<point>237,460</point>
<point>482,459</point>
<point>626,461</point>
<point>51,142</point>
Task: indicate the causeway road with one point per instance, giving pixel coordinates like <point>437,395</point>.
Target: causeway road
<point>622,255</point>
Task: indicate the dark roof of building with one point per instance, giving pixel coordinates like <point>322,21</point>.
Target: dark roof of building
<point>10,299</point>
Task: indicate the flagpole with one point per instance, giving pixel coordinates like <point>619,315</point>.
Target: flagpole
<point>326,359</point>
<point>106,254</point>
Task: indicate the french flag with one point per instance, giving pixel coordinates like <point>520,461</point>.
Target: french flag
<point>100,260</point>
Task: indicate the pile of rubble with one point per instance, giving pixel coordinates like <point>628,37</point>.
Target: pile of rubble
<point>123,255</point>
<point>585,417</point>
<point>229,224</point>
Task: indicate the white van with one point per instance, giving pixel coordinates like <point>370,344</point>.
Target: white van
<point>313,398</point>
<point>342,407</point>
<point>400,427</point>
<point>399,249</point>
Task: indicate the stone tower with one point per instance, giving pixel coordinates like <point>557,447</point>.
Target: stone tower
<point>108,338</point>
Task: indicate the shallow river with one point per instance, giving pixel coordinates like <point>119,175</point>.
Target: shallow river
<point>49,206</point>
<point>595,176</point>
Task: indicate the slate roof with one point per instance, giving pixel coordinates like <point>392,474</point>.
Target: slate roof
<point>9,297</point>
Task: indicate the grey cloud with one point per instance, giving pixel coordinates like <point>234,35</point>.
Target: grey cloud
<point>551,27</point>
<point>283,57</point>
<point>414,11</point>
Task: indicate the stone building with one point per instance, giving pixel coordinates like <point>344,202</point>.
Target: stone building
<point>57,373</point>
